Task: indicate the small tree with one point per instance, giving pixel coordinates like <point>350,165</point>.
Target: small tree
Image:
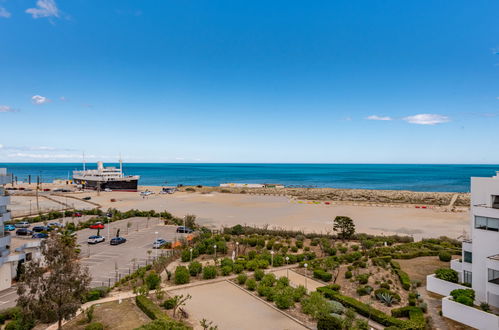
<point>179,301</point>
<point>207,325</point>
<point>345,227</point>
<point>55,287</point>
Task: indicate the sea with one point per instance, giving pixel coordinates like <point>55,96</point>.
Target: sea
<point>414,177</point>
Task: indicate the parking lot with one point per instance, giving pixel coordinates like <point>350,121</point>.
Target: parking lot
<point>108,263</point>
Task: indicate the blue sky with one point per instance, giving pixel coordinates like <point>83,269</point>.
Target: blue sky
<point>249,81</point>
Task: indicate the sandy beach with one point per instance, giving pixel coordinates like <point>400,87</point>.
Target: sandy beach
<point>216,209</point>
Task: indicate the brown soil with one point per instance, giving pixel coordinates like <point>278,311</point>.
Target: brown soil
<point>112,315</point>
<point>419,268</point>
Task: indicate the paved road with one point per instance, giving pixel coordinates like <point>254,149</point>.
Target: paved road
<point>107,263</point>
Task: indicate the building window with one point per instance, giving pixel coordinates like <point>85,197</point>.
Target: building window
<point>493,276</point>
<point>467,256</point>
<point>495,202</point>
<point>466,277</point>
<point>487,223</point>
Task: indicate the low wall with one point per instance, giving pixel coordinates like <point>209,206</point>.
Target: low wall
<point>469,315</point>
<point>441,287</point>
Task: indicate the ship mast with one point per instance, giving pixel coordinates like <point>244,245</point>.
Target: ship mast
<point>121,165</point>
<point>84,160</point>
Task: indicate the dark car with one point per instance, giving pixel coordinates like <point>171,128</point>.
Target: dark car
<point>39,229</point>
<point>184,230</point>
<point>87,198</point>
<point>39,235</point>
<point>23,232</point>
<point>117,240</point>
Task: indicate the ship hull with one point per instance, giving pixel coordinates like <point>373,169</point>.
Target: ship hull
<point>120,185</point>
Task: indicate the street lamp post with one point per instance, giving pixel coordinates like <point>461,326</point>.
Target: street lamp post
<point>191,253</point>
<point>237,249</point>
<point>287,269</point>
<point>272,258</point>
<point>156,252</point>
<point>215,247</point>
<point>306,265</point>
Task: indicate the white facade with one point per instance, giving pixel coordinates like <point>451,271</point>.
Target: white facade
<point>484,245</point>
<point>5,265</point>
<point>479,265</point>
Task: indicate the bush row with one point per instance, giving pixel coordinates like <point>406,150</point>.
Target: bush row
<point>149,308</point>
<point>371,312</point>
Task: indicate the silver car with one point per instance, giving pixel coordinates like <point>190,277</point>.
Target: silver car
<point>158,243</point>
<point>22,224</point>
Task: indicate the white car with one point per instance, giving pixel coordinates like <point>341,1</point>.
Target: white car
<point>107,190</point>
<point>95,239</point>
<point>146,193</point>
<point>159,243</point>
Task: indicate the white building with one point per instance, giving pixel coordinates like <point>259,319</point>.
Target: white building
<point>5,266</point>
<point>479,264</point>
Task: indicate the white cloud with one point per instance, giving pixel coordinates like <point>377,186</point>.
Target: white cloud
<point>44,156</point>
<point>6,108</point>
<point>4,13</point>
<point>1,146</point>
<point>427,119</point>
<point>38,99</point>
<point>375,117</point>
<point>45,8</point>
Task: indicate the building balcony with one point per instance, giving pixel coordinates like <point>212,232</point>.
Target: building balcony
<point>493,262</point>
<point>4,200</point>
<point>5,216</point>
<point>5,179</point>
<point>5,240</point>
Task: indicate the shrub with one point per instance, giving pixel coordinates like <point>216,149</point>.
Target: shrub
<point>336,307</point>
<point>382,291</point>
<point>227,262</point>
<point>323,275</point>
<point>181,275</point>
<point>284,299</point>
<point>444,256</point>
<point>251,284</point>
<point>238,268</point>
<point>385,285</point>
<point>263,290</point>
<point>315,305</point>
<point>299,292</point>
<point>95,326</point>
<point>153,280</point>
<point>97,293</point>
<point>259,274</point>
<point>195,268</point>
<point>163,324</point>
<point>149,308</point>
<point>404,279</point>
<point>329,322</point>
<point>447,274</point>
<point>348,274</point>
<point>299,245</point>
<point>364,290</point>
<point>268,279</point>
<point>9,314</point>
<point>241,279</point>
<point>209,272</point>
<point>226,270</point>
<point>168,303</point>
<point>283,280</point>
<point>463,296</point>
<point>363,278</point>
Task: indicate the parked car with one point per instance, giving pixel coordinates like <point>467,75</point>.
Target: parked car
<point>87,198</point>
<point>96,239</point>
<point>107,190</point>
<point>117,240</point>
<point>24,232</point>
<point>159,243</point>
<point>77,214</point>
<point>38,229</point>
<point>9,227</point>
<point>97,225</point>
<point>39,235</point>
<point>22,224</point>
<point>55,224</point>
<point>184,230</point>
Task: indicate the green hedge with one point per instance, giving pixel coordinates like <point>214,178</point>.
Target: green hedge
<point>373,313</point>
<point>9,314</point>
<point>150,309</point>
<point>323,275</point>
<point>164,325</point>
<point>404,279</point>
